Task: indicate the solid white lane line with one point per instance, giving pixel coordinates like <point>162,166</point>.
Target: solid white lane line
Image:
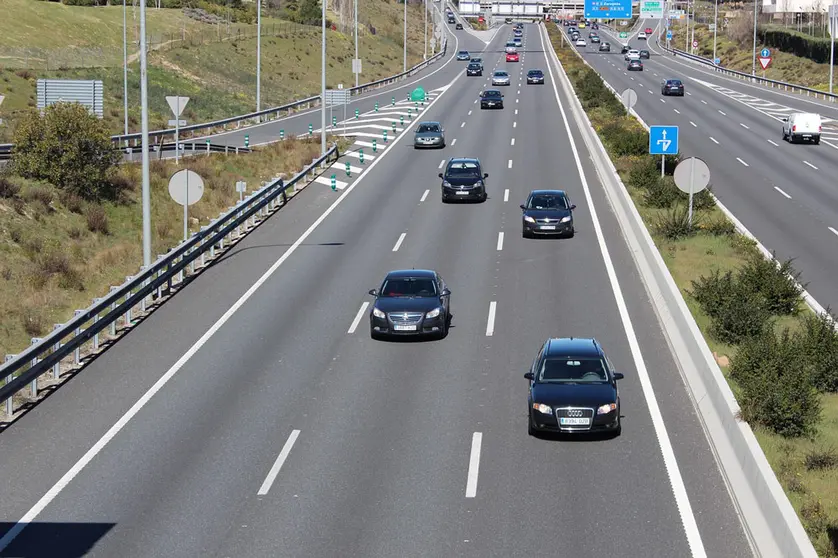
<point>509,166</point>
<point>714,140</point>
<point>490,324</point>
<point>723,114</point>
<point>399,242</point>
<point>744,126</point>
<point>834,231</point>
<point>811,165</point>
<point>453,141</point>
<point>424,196</point>
<point>358,318</point>
<point>500,240</point>
<point>679,490</point>
<point>441,164</point>
<point>786,195</point>
<point>743,162</point>
<point>512,142</point>
<point>280,460</point>
<point>677,111</point>
<point>693,124</point>
<point>772,143</point>
<point>703,101</point>
<point>463,125</point>
<point>474,464</point>
<point>515,124</point>
<point>506,195</point>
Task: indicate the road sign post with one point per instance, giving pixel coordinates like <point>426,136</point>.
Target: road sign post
<point>663,141</point>
<point>208,146</point>
<point>187,188</point>
<point>692,176</point>
<point>764,59</point>
<point>241,187</point>
<point>361,155</point>
<point>177,104</point>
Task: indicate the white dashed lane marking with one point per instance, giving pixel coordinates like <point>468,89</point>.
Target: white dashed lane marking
<point>786,195</point>
<point>714,140</point>
<point>506,195</point>
<point>424,196</point>
<point>399,242</point>
<point>743,162</point>
<point>811,165</point>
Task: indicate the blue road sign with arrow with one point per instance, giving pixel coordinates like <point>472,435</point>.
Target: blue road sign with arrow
<point>669,35</point>
<point>765,53</point>
<point>663,140</point>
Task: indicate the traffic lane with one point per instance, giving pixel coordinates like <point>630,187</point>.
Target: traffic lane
<point>404,438</point>
<point>205,377</point>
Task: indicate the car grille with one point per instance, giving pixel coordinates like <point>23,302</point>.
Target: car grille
<point>402,318</point>
<point>547,221</point>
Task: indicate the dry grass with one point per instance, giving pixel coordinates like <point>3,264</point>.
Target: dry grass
<point>58,263</point>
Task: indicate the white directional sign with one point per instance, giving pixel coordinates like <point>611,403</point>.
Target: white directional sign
<point>177,104</point>
<point>356,65</point>
<point>651,9</point>
<point>186,187</point>
<point>176,123</point>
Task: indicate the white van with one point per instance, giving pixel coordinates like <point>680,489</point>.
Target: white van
<point>633,54</point>
<point>802,126</point>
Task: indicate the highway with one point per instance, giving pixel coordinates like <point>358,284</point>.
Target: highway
<point>252,415</point>
<point>784,194</point>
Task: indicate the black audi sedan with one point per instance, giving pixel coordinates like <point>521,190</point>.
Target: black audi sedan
<point>672,87</point>
<point>535,76</point>
<point>491,98</point>
<point>573,389</point>
<point>464,179</point>
<point>411,302</point>
<point>547,212</point>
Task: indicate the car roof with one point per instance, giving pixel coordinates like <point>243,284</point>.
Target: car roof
<point>548,192</point>
<point>396,273</point>
<point>573,346</point>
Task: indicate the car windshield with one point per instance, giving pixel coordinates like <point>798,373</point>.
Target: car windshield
<point>510,44</point>
<point>547,201</point>
<point>423,128</point>
<point>464,168</point>
<point>501,74</point>
<point>491,94</point>
<point>573,371</point>
<point>535,73</point>
<point>463,53</point>
<point>409,287</point>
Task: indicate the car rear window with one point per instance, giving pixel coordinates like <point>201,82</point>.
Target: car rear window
<point>574,370</point>
<point>501,74</point>
<point>535,73</point>
<point>675,82</point>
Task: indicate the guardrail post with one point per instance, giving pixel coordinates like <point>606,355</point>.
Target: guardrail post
<point>95,321</point>
<point>76,333</point>
<point>56,368</point>
<point>33,387</point>
<point>203,252</point>
<point>142,302</point>
<point>10,404</point>
<point>128,279</point>
<point>113,307</point>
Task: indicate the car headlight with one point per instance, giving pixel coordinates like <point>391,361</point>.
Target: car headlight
<point>605,409</point>
<point>433,313</point>
<point>378,313</point>
<point>566,219</point>
<point>542,408</point>
<point>478,183</point>
<point>446,183</point>
<point>529,219</point>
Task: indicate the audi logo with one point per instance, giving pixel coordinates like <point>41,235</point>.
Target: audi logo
<point>574,413</point>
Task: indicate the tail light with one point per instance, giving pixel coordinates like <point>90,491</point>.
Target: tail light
<point>794,128</point>
<point>819,129</point>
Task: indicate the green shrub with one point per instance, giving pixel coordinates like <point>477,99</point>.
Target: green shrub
<point>819,342</point>
<point>776,389</point>
<point>68,147</point>
<point>661,193</point>
<point>737,312</point>
<point>97,219</point>
<point>592,91</point>
<point>703,199</point>
<point>821,459</point>
<point>8,189</point>
<point>644,172</point>
<point>719,227</point>
<point>776,282</point>
<point>625,141</point>
<point>674,224</point>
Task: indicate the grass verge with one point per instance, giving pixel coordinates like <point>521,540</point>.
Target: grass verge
<point>57,252</point>
<point>806,463</point>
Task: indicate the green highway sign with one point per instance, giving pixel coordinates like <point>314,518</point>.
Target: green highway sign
<point>623,34</point>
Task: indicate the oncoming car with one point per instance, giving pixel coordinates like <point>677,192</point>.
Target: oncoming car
<point>429,134</point>
<point>605,47</point>
<point>500,78</point>
<point>573,389</point>
<point>510,47</point>
<point>463,55</point>
<point>464,179</point>
<point>474,69</point>
<point>632,54</point>
<point>512,57</point>
<point>535,76</point>
<point>491,98</point>
<point>411,302</point>
<point>641,36</point>
<point>458,26</point>
<point>547,212</point>
<point>580,42</point>
<point>645,54</point>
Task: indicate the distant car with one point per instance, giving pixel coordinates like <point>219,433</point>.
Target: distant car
<point>491,98</point>
<point>632,54</point>
<point>582,25</point>
<point>513,57</point>
<point>458,26</point>
<point>802,126</point>
<point>580,42</point>
<point>535,76</point>
<point>547,212</point>
<point>645,54</point>
<point>649,30</point>
<point>595,39</point>
<point>463,55</point>
<point>605,47</point>
<point>625,49</point>
<point>474,69</point>
<point>451,19</point>
<point>510,47</point>
<point>594,26</point>
<point>635,65</point>
<point>411,302</point>
<point>464,179</point>
<point>672,87</point>
<point>641,36</point>
<point>477,59</point>
<point>519,25</point>
<point>500,77</point>
<point>518,33</point>
<point>517,42</point>
<point>572,389</point>
<point>429,134</point>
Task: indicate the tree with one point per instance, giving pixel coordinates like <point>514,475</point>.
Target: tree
<point>309,12</point>
<point>68,147</point>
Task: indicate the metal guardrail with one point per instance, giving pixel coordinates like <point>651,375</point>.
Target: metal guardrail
<point>817,93</point>
<point>133,140</point>
<point>67,340</point>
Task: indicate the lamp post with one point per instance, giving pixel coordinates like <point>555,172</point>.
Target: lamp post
<point>405,36</point>
<point>125,64</point>
<point>323,81</point>
<point>425,56</point>
<point>356,39</point>
<point>146,195</point>
<point>259,55</point>
<point>715,29</point>
<point>754,59</point>
<point>833,29</point>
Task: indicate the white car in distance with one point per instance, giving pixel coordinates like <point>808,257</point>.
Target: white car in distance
<point>641,35</point>
<point>633,54</point>
<point>581,42</point>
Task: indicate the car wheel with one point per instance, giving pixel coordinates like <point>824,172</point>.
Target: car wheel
<point>530,430</point>
<point>526,234</point>
<point>484,197</point>
<point>444,199</point>
<point>816,140</point>
<point>571,234</point>
<point>374,335</point>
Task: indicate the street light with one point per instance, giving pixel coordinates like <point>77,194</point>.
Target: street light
<point>833,29</point>
<point>754,60</point>
<point>323,81</point>
<point>425,56</point>
<point>715,29</point>
<point>144,109</point>
<point>356,39</point>
<point>405,36</point>
<point>125,64</point>
<point>259,55</point>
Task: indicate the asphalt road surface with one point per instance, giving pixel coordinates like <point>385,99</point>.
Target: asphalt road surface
<point>252,415</point>
<point>784,194</point>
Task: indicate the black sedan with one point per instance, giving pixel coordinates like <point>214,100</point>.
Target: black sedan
<point>672,87</point>
<point>474,69</point>
<point>535,76</point>
<point>547,212</point>
<point>635,66</point>
<point>573,389</point>
<point>411,302</point>
<point>464,179</point>
<point>458,26</point>
<point>491,98</point>
<point>625,49</point>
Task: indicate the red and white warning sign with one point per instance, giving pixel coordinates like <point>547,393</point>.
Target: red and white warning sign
<point>764,62</point>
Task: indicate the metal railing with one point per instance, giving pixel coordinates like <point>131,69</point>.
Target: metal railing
<point>67,341</point>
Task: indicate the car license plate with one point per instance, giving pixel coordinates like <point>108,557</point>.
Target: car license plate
<point>567,421</point>
<point>462,193</point>
<point>548,227</point>
<point>404,327</point>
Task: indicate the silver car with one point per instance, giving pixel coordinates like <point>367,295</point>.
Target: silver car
<point>500,78</point>
<point>429,134</point>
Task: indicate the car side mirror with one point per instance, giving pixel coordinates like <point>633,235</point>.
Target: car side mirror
<point>528,376</point>
<point>446,292</point>
<point>522,206</point>
<point>440,175</point>
<point>618,376</point>
<point>485,175</point>
<point>572,206</point>
<point>374,292</point>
